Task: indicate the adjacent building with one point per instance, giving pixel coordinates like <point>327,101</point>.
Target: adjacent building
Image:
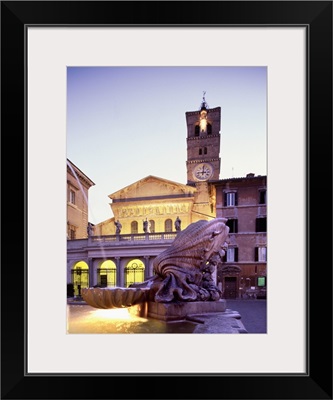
<point>78,185</point>
<point>244,202</point>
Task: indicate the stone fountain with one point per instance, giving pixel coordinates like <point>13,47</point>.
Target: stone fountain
<point>183,285</point>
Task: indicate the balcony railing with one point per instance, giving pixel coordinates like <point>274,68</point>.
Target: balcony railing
<point>134,237</point>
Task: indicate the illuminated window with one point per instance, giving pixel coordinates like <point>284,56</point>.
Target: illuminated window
<point>107,277</point>
<point>134,273</point>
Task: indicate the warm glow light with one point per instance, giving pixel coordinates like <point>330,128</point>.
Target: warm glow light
<point>113,313</point>
<point>85,319</point>
<point>203,124</point>
<point>203,121</point>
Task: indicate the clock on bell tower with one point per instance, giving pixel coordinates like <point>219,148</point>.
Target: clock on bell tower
<point>203,143</point>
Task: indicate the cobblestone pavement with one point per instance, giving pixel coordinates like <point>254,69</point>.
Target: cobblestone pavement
<point>253,313</point>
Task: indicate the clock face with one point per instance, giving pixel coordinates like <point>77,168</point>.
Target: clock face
<point>203,171</point>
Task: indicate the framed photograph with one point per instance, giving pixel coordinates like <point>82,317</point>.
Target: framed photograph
<point>293,40</point>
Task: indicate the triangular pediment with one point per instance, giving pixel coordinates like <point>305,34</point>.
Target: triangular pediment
<point>152,186</point>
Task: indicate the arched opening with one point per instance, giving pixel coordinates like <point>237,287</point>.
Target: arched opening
<point>168,225</point>
<point>209,129</point>
<point>107,274</point>
<point>196,130</point>
<point>134,227</point>
<point>134,272</point>
<point>80,277</point>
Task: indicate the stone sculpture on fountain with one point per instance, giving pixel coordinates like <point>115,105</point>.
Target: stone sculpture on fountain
<point>183,274</point>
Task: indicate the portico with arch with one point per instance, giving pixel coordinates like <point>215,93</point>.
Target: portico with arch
<point>118,271</point>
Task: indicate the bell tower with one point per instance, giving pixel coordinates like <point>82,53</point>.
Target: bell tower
<point>203,158</point>
<point>203,143</point>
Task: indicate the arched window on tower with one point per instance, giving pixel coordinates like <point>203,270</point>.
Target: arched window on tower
<point>205,150</point>
<point>168,225</point>
<point>197,130</point>
<point>209,129</point>
<point>134,227</point>
<point>200,152</point>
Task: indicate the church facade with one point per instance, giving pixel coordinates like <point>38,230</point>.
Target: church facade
<point>155,200</point>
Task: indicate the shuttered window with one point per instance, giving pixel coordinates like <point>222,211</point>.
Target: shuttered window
<point>231,255</point>
<point>230,199</point>
<point>260,254</point>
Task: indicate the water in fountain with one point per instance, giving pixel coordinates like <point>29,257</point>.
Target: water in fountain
<point>86,319</point>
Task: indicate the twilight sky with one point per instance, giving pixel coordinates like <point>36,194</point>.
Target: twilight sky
<point>125,123</point>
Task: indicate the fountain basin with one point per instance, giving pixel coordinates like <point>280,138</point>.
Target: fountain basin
<point>114,297</point>
<point>182,310</point>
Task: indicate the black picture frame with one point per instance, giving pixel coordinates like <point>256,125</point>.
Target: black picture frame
<point>317,382</point>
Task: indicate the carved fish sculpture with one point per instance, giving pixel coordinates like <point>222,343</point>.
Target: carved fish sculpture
<point>179,269</point>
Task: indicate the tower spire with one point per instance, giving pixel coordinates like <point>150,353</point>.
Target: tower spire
<point>204,105</point>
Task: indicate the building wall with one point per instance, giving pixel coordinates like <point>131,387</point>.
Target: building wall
<point>246,268</point>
